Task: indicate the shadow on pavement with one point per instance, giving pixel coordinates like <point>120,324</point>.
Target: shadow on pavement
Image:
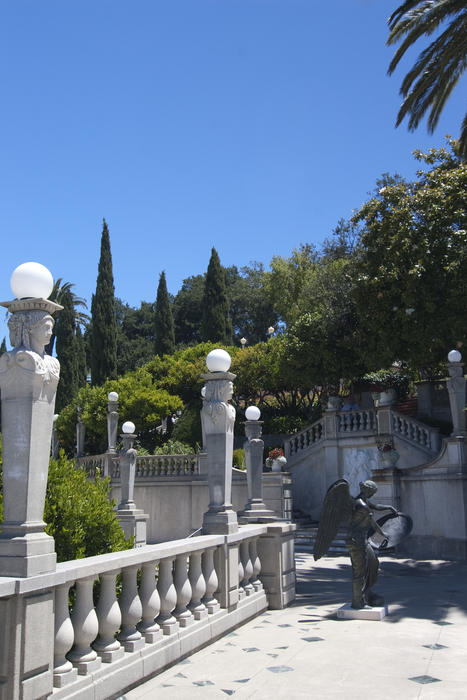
<point>411,588</point>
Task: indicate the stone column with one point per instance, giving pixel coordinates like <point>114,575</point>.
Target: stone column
<point>456,389</point>
<point>255,510</point>
<point>218,418</point>
<point>55,446</point>
<point>80,436</point>
<point>28,383</point>
<point>131,519</point>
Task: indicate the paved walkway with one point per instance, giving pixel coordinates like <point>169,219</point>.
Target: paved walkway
<point>304,651</point>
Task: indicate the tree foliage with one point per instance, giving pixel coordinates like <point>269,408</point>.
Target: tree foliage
<point>412,265</point>
<point>135,335</point>
<point>216,322</point>
<point>103,331</point>
<point>79,513</point>
<point>164,336</point>
<point>67,352</point>
<point>430,81</point>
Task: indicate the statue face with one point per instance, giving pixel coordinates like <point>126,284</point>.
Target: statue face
<point>41,334</point>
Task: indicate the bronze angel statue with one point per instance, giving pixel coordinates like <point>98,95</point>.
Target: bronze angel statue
<point>340,507</point>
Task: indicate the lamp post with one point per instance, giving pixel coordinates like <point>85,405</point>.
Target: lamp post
<point>255,510</point>
<point>243,342</point>
<point>131,519</point>
<point>218,418</point>
<point>28,383</point>
<point>270,331</point>
<point>456,390</point>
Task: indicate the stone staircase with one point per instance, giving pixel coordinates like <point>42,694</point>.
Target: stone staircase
<point>305,537</point>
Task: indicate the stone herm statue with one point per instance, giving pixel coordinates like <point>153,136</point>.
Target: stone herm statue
<point>28,383</point>
<point>339,507</point>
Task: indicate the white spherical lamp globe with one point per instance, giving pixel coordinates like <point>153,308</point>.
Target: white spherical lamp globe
<point>128,427</point>
<point>203,392</point>
<point>112,396</point>
<point>252,413</point>
<point>454,356</point>
<point>218,360</point>
<point>31,280</point>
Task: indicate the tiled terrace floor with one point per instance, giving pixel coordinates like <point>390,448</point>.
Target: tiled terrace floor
<point>304,651</point>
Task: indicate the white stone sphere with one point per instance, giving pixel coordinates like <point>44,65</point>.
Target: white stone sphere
<point>203,392</point>
<point>454,356</point>
<point>218,360</point>
<point>252,413</point>
<point>112,396</point>
<point>128,427</point>
<point>31,279</point>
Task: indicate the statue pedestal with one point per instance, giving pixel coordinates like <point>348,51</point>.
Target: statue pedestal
<point>346,612</point>
<point>133,524</point>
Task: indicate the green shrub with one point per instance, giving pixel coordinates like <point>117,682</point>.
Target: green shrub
<point>239,458</point>
<point>174,447</point>
<point>79,514</point>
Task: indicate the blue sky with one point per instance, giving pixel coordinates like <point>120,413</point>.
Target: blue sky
<point>248,125</point>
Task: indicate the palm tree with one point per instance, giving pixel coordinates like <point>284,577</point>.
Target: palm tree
<point>438,68</point>
<point>60,289</point>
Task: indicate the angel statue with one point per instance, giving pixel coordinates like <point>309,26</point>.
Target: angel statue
<point>340,507</point>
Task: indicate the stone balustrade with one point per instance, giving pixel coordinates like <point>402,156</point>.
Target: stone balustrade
<point>415,432</point>
<point>135,612</point>
<point>356,421</point>
<point>305,439</point>
<point>146,465</point>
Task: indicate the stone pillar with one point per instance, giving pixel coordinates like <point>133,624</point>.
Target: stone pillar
<point>276,553</point>
<point>218,418</point>
<point>112,422</point>
<point>131,519</point>
<point>255,510</point>
<point>55,446</point>
<point>80,436</point>
<point>456,389</point>
<point>28,383</point>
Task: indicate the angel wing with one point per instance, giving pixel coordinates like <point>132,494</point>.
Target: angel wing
<point>337,507</point>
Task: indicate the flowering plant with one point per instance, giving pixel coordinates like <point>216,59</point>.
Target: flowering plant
<point>275,453</point>
<point>385,446</point>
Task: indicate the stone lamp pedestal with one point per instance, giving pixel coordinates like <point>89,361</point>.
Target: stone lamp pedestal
<point>132,520</point>
<point>28,383</point>
<point>255,510</point>
<point>218,419</point>
<point>456,386</point>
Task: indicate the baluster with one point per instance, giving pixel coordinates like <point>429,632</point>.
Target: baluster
<point>241,576</point>
<point>64,673</point>
<point>257,585</point>
<point>150,603</point>
<point>109,618</point>
<point>130,605</point>
<point>86,627</point>
<point>198,587</point>
<point>212,582</point>
<point>247,567</point>
<point>168,596</point>
<point>183,588</point>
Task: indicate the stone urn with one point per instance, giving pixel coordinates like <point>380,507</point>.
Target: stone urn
<point>278,464</point>
<point>389,458</point>
<point>388,397</point>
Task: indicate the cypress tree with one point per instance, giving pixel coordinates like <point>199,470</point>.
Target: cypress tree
<point>103,334</point>
<point>3,347</point>
<point>81,370</point>
<point>216,324</point>
<point>66,353</point>
<point>164,335</point>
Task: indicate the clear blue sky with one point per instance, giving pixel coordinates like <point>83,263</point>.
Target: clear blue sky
<point>248,125</point>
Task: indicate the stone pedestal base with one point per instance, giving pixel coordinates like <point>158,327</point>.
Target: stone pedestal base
<point>63,679</point>
<point>134,644</point>
<point>152,637</point>
<point>256,513</point>
<point>133,524</point>
<point>220,523</point>
<point>85,667</point>
<point>109,656</point>
<point>346,612</point>
<point>213,607</point>
<point>26,555</point>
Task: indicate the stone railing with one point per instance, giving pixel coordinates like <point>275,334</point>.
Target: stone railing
<point>305,439</point>
<point>153,605</point>
<point>146,465</point>
<point>415,432</point>
<point>356,421</point>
